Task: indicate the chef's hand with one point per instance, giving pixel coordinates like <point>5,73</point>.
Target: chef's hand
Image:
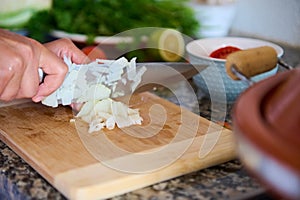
<point>20,58</point>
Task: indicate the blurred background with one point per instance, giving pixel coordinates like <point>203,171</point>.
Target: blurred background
<point>153,30</point>
<point>90,22</point>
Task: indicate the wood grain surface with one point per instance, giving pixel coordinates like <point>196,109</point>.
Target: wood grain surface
<point>171,142</point>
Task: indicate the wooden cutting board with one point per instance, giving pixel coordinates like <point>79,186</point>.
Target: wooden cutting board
<point>171,142</point>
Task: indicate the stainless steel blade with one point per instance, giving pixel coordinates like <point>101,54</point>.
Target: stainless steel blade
<point>74,88</point>
<point>157,70</point>
<point>166,73</point>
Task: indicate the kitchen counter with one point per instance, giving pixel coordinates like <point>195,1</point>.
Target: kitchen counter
<point>226,181</point>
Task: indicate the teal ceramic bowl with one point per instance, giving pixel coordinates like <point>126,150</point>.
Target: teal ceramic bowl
<point>214,81</point>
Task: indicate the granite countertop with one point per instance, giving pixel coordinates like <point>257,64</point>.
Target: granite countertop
<point>225,181</point>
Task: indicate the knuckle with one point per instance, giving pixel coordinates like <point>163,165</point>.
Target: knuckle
<point>14,65</point>
<point>26,93</point>
<point>63,70</point>
<point>17,62</point>
<point>6,97</point>
<point>28,48</point>
<point>7,72</point>
<point>66,41</point>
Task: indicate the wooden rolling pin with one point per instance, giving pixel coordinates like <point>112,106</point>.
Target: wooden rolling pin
<point>251,62</point>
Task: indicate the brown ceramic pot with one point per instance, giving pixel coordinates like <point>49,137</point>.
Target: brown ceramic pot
<point>266,120</point>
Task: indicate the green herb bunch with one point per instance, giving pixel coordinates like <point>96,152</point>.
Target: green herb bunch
<point>110,17</point>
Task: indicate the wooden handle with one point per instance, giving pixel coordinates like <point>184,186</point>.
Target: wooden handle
<point>251,62</point>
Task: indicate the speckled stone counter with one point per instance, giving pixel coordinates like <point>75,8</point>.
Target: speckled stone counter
<point>226,181</point>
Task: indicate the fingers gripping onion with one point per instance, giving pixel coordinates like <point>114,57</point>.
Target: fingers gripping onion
<point>94,85</point>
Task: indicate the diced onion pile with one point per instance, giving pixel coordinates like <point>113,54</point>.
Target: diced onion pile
<point>108,113</point>
<point>94,85</point>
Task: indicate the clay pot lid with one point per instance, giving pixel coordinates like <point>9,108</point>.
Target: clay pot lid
<point>268,115</point>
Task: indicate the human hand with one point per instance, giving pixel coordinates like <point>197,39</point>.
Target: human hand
<point>20,59</point>
<point>52,81</point>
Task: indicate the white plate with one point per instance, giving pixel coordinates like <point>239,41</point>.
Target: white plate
<point>98,39</point>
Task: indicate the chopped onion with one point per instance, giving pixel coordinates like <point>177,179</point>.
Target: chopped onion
<point>94,85</point>
<point>107,113</point>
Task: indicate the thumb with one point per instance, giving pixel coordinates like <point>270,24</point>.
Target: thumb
<point>55,70</point>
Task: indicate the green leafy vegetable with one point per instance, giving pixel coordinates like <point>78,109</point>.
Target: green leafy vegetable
<point>109,17</point>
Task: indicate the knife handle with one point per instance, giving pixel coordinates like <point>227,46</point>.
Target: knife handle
<point>41,75</point>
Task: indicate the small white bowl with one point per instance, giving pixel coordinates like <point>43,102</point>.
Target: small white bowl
<point>214,81</point>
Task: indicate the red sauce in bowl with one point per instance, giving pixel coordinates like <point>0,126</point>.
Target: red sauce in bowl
<point>223,52</point>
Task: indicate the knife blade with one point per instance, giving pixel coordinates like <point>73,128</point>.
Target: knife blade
<point>159,74</point>
<point>150,74</point>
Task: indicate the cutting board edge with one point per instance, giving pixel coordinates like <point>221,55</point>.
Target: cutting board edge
<point>172,171</point>
<point>27,158</point>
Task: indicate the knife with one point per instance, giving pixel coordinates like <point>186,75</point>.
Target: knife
<point>165,73</point>
<point>151,75</point>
